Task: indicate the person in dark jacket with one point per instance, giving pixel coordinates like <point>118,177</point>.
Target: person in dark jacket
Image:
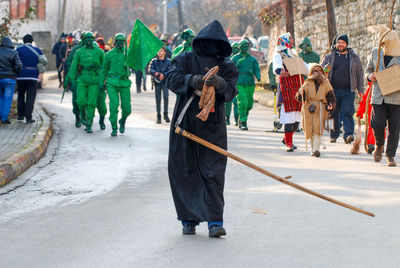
<point>28,78</point>
<point>158,70</point>
<point>197,174</point>
<point>347,78</point>
<point>59,50</point>
<point>10,66</point>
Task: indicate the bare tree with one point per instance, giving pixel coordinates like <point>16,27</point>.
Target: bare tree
<point>332,32</point>
<point>289,17</point>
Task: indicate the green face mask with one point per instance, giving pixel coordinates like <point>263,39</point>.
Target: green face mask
<point>244,48</point>
<point>89,42</point>
<point>307,49</point>
<point>235,50</point>
<point>120,43</point>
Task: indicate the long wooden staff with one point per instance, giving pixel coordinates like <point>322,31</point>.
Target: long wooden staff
<point>217,149</point>
<point>367,104</point>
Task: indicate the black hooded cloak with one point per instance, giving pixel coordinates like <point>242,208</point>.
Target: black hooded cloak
<point>196,173</point>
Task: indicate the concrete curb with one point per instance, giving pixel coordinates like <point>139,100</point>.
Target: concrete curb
<point>14,166</point>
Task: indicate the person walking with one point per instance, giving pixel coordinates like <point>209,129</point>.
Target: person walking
<point>85,70</point>
<point>248,69</point>
<point>290,114</point>
<point>158,69</point>
<point>318,98</point>
<point>59,50</point>
<point>115,76</point>
<point>196,173</point>
<point>386,108</point>
<point>10,66</point>
<point>68,83</point>
<point>346,77</point>
<point>33,62</point>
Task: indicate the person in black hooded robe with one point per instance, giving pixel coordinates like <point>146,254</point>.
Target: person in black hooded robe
<point>196,173</point>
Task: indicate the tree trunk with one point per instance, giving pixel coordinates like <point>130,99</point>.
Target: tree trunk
<point>289,17</point>
<point>332,32</point>
<point>180,15</point>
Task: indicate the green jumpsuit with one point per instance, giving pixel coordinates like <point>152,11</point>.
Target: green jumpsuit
<point>116,74</point>
<point>248,68</point>
<point>85,69</point>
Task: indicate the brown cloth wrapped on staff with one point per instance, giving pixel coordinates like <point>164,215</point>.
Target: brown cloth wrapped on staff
<point>207,98</point>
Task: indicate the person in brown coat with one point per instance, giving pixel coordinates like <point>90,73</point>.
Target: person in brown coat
<point>318,100</point>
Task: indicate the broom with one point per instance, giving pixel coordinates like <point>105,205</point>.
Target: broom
<point>356,145</point>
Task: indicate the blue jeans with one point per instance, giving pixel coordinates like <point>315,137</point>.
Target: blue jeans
<point>344,110</point>
<point>7,87</point>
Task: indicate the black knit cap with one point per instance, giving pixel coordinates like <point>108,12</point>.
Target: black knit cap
<point>343,37</point>
<point>27,39</point>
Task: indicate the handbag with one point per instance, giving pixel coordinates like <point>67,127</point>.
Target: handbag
<point>312,108</point>
<point>42,61</point>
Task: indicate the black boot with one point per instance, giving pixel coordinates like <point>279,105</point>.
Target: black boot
<point>158,119</point>
<point>101,122</point>
<point>228,122</point>
<point>166,118</point>
<point>122,124</point>
<point>216,231</point>
<point>77,121</point>
<point>189,229</point>
<point>243,125</point>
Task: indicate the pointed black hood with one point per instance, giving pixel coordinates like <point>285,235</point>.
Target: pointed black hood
<point>212,41</point>
<point>6,42</point>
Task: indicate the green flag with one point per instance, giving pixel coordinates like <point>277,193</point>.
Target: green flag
<point>143,46</point>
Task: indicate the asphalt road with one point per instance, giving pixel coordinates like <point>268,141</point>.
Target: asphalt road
<point>99,201</point>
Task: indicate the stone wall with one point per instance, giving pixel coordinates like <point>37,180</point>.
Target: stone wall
<point>355,18</point>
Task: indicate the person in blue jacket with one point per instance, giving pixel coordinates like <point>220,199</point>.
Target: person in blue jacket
<point>28,78</point>
<point>158,69</point>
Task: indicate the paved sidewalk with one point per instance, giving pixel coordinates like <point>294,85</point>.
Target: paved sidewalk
<point>22,144</point>
<point>17,136</point>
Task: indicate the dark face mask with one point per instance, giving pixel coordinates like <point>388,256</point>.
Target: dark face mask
<point>120,44</point>
<point>89,42</point>
<point>244,49</point>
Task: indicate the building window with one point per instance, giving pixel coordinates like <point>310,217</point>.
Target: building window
<point>20,9</point>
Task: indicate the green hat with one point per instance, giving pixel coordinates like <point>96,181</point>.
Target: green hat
<point>235,45</point>
<point>120,37</point>
<point>187,33</point>
<point>89,34</point>
<point>243,42</point>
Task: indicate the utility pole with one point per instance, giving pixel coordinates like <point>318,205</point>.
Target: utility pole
<point>180,14</point>
<point>332,32</point>
<point>165,18</point>
<point>289,17</point>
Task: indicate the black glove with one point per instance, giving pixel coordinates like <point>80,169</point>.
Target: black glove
<point>215,81</point>
<point>196,82</point>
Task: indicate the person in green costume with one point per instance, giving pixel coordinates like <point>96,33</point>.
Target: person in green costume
<point>187,37</point>
<point>248,68</point>
<point>67,80</point>
<point>228,105</point>
<point>85,70</point>
<point>307,53</point>
<point>115,76</point>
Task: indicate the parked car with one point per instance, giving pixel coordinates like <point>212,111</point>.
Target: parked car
<point>259,55</point>
<point>263,45</point>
